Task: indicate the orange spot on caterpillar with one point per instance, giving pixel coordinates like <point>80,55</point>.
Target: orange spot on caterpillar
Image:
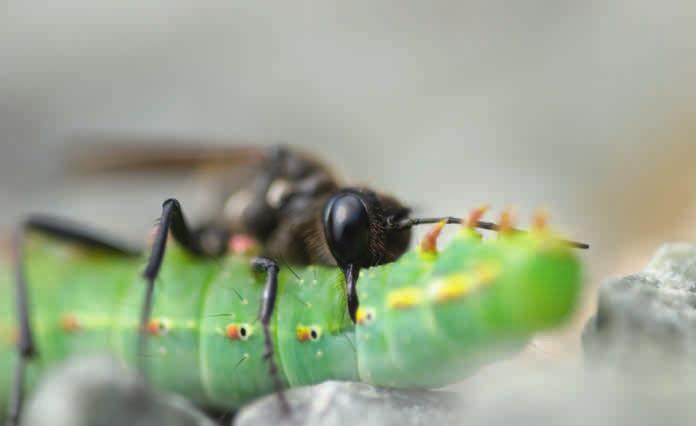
<point>476,215</point>
<point>236,331</point>
<point>70,324</point>
<point>302,333</point>
<point>305,333</point>
<point>243,245</point>
<point>404,298</point>
<point>428,244</point>
<point>364,316</point>
<point>156,327</point>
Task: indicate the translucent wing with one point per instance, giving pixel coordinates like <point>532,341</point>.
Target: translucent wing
<point>104,154</point>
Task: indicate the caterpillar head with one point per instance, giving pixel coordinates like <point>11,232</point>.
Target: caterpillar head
<point>432,317</point>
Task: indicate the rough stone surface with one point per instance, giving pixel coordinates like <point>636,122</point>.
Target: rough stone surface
<point>99,391</point>
<point>579,398</point>
<point>508,396</point>
<point>344,403</point>
<point>649,316</point>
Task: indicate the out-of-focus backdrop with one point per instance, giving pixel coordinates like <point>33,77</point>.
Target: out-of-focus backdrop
<point>585,107</point>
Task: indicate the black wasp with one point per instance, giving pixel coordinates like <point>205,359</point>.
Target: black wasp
<point>286,199</point>
<point>301,214</point>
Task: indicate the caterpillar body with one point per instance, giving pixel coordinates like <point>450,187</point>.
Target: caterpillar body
<point>428,319</point>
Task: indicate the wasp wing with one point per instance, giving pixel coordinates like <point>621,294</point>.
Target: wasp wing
<point>90,155</point>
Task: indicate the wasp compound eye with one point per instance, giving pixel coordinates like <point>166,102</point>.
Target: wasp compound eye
<point>347,228</point>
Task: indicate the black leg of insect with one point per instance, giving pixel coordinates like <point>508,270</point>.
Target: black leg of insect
<point>270,267</point>
<point>25,344</point>
<point>173,220</point>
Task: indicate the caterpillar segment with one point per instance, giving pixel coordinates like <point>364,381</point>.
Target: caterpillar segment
<point>428,319</point>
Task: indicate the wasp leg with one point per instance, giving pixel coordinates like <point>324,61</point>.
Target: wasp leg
<point>351,273</point>
<point>270,290</point>
<point>59,228</point>
<point>79,234</point>
<point>26,348</point>
<point>173,220</point>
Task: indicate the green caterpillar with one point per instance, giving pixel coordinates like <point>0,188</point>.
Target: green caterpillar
<point>425,320</point>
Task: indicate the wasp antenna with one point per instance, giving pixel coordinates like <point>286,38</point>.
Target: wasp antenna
<point>411,222</point>
<point>429,242</point>
<point>504,226</point>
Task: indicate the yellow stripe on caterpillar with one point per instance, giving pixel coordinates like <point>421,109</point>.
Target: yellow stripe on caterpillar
<point>404,298</point>
<point>460,285</point>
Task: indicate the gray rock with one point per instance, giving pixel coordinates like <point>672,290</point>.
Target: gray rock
<point>579,398</point>
<point>506,395</point>
<point>343,403</point>
<point>649,316</point>
<point>98,391</point>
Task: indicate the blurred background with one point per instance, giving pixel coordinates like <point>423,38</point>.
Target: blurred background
<point>586,108</point>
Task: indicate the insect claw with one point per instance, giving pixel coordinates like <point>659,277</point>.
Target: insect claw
<point>428,244</point>
<point>69,323</point>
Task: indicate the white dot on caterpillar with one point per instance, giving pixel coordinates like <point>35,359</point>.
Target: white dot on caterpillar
<point>245,302</point>
<point>320,354</point>
<point>162,350</point>
<point>315,282</point>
